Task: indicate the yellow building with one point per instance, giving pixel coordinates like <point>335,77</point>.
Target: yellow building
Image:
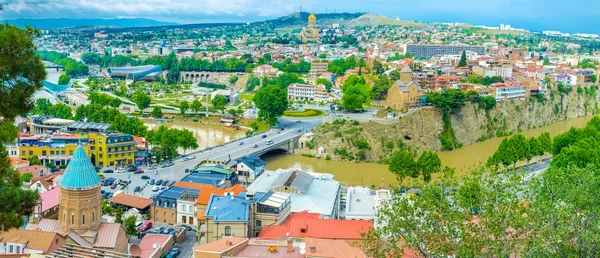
<point>311,32</point>
<point>111,149</point>
<point>56,149</point>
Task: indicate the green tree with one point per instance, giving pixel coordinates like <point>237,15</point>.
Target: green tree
<point>64,79</point>
<point>130,228</point>
<point>61,111</point>
<point>42,106</point>
<point>463,60</point>
<point>196,106</point>
<point>378,68</point>
<point>142,100</point>
<point>187,141</point>
<point>352,102</point>
<point>271,102</point>
<point>402,164</point>
<point>119,216</point>
<point>252,83</point>
<point>428,163</point>
<point>233,78</point>
<point>545,143</point>
<point>26,177</point>
<point>472,95</point>
<point>184,106</point>
<point>594,78</point>
<point>156,112</point>
<point>106,208</point>
<point>219,102</point>
<point>546,61</point>
<point>34,160</point>
<point>323,81</point>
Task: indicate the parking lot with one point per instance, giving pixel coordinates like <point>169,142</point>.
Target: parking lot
<point>137,180</point>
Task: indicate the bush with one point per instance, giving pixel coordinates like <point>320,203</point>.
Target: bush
<point>339,121</point>
<point>327,157</point>
<point>308,155</point>
<point>354,122</point>
<point>362,144</point>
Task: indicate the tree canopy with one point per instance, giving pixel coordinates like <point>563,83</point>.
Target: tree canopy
<point>219,102</point>
<point>271,102</point>
<point>21,75</point>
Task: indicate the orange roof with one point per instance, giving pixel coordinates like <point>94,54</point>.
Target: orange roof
<point>137,202</point>
<point>196,186</point>
<point>17,162</point>
<point>318,228</point>
<point>221,245</point>
<point>205,194</point>
<point>333,248</point>
<point>34,170</point>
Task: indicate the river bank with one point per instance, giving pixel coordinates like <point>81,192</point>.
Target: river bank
<point>368,174</point>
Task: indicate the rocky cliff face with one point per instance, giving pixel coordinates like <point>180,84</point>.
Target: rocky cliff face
<point>420,130</point>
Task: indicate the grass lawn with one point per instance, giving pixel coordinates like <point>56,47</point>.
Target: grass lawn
<point>247,96</point>
<point>305,113</point>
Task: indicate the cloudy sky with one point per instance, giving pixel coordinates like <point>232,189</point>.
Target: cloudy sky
<point>568,16</point>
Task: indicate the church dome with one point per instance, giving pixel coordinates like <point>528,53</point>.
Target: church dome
<point>81,173</point>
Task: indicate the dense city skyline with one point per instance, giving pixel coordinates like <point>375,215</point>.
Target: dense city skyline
<point>534,15</point>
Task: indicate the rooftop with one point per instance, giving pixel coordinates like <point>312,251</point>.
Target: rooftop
<point>133,201</point>
<point>363,201</point>
<point>228,208</point>
<point>320,194</point>
<point>222,245</point>
<point>331,248</point>
<point>49,199</point>
<point>147,243</point>
<point>308,226</point>
<point>81,173</point>
<point>33,239</point>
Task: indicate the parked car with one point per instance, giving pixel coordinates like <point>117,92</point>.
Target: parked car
<point>139,171</point>
<point>166,230</point>
<point>159,182</point>
<point>153,167</point>
<point>113,186</point>
<point>145,226</point>
<point>138,224</point>
<point>131,169</point>
<point>109,171</point>
<point>101,176</point>
<point>188,228</point>
<point>145,177</point>
<point>173,253</point>
<point>151,182</point>
<point>155,189</point>
<point>137,189</point>
<point>164,183</point>
<point>164,165</point>
<point>54,169</point>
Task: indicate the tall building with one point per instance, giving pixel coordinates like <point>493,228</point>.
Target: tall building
<point>302,92</point>
<point>311,32</point>
<point>80,210</point>
<point>427,51</point>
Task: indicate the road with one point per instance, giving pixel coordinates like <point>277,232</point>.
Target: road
<point>223,152</point>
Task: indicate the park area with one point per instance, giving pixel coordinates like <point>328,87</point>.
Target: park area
<point>304,113</point>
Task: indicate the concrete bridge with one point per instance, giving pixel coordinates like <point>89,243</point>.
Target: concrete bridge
<point>260,144</point>
<point>57,67</point>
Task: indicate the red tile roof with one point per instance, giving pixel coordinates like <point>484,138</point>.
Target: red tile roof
<point>137,202</point>
<point>306,225</point>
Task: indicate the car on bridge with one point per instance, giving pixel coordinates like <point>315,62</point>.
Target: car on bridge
<point>255,146</point>
<point>269,142</point>
<point>264,136</point>
<point>241,143</point>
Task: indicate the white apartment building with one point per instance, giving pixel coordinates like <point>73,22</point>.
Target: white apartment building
<point>308,92</point>
<point>186,209</point>
<point>510,92</point>
<point>362,203</point>
<point>493,68</point>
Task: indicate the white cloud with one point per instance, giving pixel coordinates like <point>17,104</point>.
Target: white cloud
<point>166,9</point>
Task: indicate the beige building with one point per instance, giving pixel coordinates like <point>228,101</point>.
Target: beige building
<point>80,211</point>
<point>311,32</point>
<point>404,93</point>
<point>269,209</point>
<point>493,68</point>
<point>308,92</point>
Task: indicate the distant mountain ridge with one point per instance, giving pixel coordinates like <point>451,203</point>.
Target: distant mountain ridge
<point>54,23</point>
<point>301,18</point>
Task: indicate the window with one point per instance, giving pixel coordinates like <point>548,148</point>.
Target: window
<point>18,249</point>
<point>51,153</point>
<point>83,219</point>
<point>62,153</point>
<point>191,221</point>
<point>10,249</point>
<point>183,207</point>
<point>259,223</point>
<point>71,153</point>
<point>23,153</point>
<point>30,153</point>
<point>172,215</point>
<point>93,217</point>
<point>72,218</point>
<point>183,219</point>
<point>64,216</point>
<point>228,231</point>
<point>190,208</point>
<point>43,153</point>
<point>165,214</point>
